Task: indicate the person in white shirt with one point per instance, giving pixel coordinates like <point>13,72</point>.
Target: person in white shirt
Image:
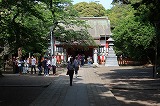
<point>19,63</point>
<point>33,65</point>
<point>54,62</point>
<point>69,58</point>
<point>26,65</point>
<point>48,65</point>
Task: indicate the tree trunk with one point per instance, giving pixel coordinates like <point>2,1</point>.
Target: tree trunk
<point>2,54</point>
<point>1,66</point>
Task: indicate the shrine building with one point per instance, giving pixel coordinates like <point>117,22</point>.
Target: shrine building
<point>100,31</point>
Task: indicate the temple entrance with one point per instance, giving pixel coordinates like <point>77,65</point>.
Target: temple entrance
<point>81,51</point>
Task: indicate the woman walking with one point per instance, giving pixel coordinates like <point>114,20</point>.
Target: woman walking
<point>70,68</point>
<point>76,65</point>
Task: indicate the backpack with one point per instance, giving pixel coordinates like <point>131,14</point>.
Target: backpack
<point>71,66</point>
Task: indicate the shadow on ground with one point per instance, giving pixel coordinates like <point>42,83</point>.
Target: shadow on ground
<point>133,86</point>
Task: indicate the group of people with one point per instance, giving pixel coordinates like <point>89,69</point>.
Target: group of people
<point>74,65</point>
<point>22,66</point>
<point>47,64</point>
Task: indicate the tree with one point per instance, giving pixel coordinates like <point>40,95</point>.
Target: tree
<point>91,9</point>
<point>64,15</point>
<point>22,25</point>
<point>26,24</point>
<point>132,31</point>
<point>119,13</point>
<point>17,29</point>
<point>134,39</point>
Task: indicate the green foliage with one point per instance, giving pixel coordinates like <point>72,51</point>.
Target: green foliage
<point>119,13</point>
<point>133,32</point>
<point>91,9</point>
<point>133,38</point>
<point>126,1</point>
<point>66,16</point>
<point>26,24</point>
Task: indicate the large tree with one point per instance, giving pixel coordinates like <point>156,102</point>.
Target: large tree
<point>119,13</point>
<point>134,39</point>
<point>91,9</point>
<point>136,33</point>
<point>23,25</point>
<point>65,16</point>
<point>26,24</point>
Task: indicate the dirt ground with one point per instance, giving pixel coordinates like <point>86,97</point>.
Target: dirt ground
<point>132,86</point>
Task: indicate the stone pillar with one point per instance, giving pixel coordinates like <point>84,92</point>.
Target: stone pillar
<point>95,57</point>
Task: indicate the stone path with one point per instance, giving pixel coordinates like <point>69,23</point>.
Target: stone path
<point>87,90</point>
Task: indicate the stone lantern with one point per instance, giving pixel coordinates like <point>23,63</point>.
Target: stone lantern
<point>111,59</point>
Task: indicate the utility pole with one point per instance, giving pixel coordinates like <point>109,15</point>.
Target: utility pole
<point>157,23</point>
<point>155,63</point>
<point>156,51</point>
<point>52,42</point>
<point>52,31</point>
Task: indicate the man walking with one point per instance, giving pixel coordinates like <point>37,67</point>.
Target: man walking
<point>53,62</point>
<point>33,65</point>
<point>44,64</point>
<point>76,66</point>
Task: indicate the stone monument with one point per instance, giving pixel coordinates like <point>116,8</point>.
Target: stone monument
<point>111,58</point>
<point>95,64</point>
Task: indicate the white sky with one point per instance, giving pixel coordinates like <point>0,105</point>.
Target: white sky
<point>106,3</point>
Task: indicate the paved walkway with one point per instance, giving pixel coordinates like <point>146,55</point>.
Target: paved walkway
<point>87,90</point>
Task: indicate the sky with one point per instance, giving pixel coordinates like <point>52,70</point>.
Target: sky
<point>106,3</point>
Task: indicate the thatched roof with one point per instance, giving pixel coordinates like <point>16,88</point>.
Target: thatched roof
<point>100,26</point>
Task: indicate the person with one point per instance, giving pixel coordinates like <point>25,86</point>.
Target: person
<point>69,56</point>
<point>44,64</point>
<point>79,59</point>
<point>70,67</point>
<point>76,66</point>
<point>53,62</point>
<point>89,61</point>
<point>19,63</point>
<point>82,60</point>
<point>33,65</point>
<point>15,67</point>
<point>48,65</point>
<point>26,65</point>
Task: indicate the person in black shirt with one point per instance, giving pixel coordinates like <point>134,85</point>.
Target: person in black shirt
<point>44,64</point>
<point>70,67</point>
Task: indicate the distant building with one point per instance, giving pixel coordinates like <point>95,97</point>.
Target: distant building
<point>100,31</point>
